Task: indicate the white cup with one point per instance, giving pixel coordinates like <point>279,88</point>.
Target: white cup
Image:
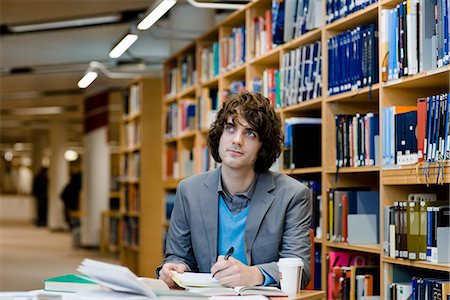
<point>290,274</point>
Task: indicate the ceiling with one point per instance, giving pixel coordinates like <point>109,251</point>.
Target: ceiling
<point>41,68</point>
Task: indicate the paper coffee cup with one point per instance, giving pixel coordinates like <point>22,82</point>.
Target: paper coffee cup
<point>290,270</point>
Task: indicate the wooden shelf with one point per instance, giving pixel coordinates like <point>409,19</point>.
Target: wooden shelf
<point>304,39</point>
<point>364,16</point>
<point>170,98</point>
<point>187,135</point>
<point>361,95</point>
<point>211,82</point>
<point>269,58</point>
<point>237,72</point>
<point>426,80</point>
<point>416,264</point>
<point>143,259</point>
<point>132,117</point>
<point>417,174</point>
<point>362,169</point>
<point>318,240</point>
<point>130,247</point>
<point>302,171</point>
<point>187,92</point>
<point>308,105</point>
<point>132,214</point>
<point>171,184</point>
<point>361,248</point>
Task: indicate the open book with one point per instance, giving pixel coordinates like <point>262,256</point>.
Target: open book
<point>205,284</point>
<point>121,279</point>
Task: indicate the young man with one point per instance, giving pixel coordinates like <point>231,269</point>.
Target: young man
<point>261,214</point>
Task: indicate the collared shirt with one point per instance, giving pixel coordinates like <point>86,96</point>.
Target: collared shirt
<point>239,201</point>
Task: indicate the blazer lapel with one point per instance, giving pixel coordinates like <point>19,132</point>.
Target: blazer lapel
<point>209,208</point>
<point>259,205</point>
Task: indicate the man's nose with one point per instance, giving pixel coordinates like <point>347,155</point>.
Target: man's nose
<point>238,137</point>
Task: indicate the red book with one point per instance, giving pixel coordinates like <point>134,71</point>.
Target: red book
<point>268,24</point>
<point>344,217</point>
<point>421,126</point>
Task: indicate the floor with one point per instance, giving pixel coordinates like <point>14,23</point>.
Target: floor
<point>29,254</point>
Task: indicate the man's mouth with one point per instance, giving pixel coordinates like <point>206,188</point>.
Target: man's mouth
<point>235,152</point>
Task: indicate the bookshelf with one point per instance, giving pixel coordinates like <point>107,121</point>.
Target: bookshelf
<point>141,223</point>
<point>213,81</point>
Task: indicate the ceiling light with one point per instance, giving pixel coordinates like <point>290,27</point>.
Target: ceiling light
<point>92,74</point>
<point>215,5</point>
<point>87,79</point>
<point>123,45</point>
<point>8,156</point>
<point>156,14</point>
<point>70,155</point>
<point>30,111</point>
<point>65,24</point>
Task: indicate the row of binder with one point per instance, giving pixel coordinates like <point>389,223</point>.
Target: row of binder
<point>357,50</point>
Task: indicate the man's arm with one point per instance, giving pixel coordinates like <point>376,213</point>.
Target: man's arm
<point>178,240</point>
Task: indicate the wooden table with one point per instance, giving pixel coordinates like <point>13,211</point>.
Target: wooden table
<point>304,295</point>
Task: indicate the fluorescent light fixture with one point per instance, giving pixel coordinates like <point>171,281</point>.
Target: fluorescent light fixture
<point>87,79</point>
<point>123,45</point>
<point>65,24</point>
<point>93,70</point>
<point>156,14</point>
<point>8,156</point>
<point>43,110</point>
<point>70,155</point>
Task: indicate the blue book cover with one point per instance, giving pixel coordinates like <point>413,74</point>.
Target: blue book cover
<point>447,128</point>
<point>373,132</point>
<point>317,269</point>
<point>277,21</point>
<point>368,202</point>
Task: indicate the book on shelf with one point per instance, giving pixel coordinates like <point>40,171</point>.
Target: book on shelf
<point>70,283</point>
<point>419,288</point>
<point>342,273</point>
<point>413,226</point>
<point>303,143</point>
<point>357,140</point>
<point>301,74</point>
<point>415,34</point>
<point>357,48</point>
<point>206,284</point>
<point>344,205</point>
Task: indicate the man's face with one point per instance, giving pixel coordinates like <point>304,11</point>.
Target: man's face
<point>239,145</point>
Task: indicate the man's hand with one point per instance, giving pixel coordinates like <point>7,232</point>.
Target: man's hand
<point>233,273</point>
<point>165,274</point>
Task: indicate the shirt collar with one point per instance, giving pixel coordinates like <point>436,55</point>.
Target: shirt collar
<point>221,189</point>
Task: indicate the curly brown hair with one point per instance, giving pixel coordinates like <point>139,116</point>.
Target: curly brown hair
<point>263,119</point>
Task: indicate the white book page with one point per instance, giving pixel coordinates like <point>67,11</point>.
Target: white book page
<point>191,279</point>
<point>115,277</point>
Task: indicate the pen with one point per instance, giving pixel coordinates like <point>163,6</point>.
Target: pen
<point>227,256</point>
<point>229,253</point>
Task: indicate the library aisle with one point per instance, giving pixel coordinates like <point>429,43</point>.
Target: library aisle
<point>29,254</point>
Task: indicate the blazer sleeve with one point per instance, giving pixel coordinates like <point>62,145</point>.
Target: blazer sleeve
<point>296,240</point>
<point>178,240</point>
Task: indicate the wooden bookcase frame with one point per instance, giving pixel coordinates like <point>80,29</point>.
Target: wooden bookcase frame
<point>392,183</point>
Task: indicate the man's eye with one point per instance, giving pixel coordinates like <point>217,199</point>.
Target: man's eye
<point>229,128</point>
<point>251,133</point>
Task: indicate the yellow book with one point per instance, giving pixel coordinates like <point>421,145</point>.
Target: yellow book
<point>412,230</point>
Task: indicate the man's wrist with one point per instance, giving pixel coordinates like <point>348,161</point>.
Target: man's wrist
<point>259,278</point>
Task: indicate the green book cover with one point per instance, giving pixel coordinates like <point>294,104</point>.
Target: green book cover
<point>70,283</point>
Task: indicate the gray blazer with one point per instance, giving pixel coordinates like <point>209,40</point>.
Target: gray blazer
<point>277,223</point>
